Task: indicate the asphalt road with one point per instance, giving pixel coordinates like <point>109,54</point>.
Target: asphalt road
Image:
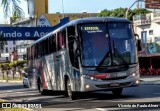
<point>140,96</point>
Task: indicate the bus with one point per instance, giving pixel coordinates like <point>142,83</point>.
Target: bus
<point>85,55</point>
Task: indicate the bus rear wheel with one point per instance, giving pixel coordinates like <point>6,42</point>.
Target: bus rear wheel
<point>70,93</point>
<point>40,88</point>
<point>117,92</point>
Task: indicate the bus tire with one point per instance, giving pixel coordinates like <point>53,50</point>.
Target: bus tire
<point>70,93</point>
<point>117,92</point>
<point>40,88</point>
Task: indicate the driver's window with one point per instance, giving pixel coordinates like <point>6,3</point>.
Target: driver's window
<point>71,41</point>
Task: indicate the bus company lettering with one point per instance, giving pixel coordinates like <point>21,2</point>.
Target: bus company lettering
<point>91,28</point>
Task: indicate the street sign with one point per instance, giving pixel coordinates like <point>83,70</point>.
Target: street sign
<point>152,4</point>
<point>43,22</point>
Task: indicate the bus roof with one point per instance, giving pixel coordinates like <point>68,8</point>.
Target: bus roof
<point>98,19</point>
<point>86,20</point>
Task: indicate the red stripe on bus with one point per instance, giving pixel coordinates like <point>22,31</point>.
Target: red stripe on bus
<point>42,76</point>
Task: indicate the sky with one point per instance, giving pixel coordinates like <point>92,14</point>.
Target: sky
<point>78,6</point>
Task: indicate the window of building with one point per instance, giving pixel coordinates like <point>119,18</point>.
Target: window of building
<point>150,32</point>
<point>6,58</point>
<point>14,42</point>
<point>6,43</point>
<point>6,49</point>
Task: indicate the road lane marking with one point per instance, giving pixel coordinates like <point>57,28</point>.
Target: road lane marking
<point>156,93</point>
<point>101,109</point>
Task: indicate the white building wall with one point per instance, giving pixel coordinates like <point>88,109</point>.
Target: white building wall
<point>31,8</point>
<point>149,27</point>
<point>4,55</point>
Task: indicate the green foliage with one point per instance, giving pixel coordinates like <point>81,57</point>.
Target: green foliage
<point>120,12</point>
<point>13,5</point>
<point>7,66</point>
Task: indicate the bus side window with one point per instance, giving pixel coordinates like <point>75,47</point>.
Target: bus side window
<point>39,50</point>
<point>54,43</point>
<point>28,54</point>
<point>60,39</point>
<point>46,46</point>
<point>50,44</point>
<point>32,52</point>
<point>36,51</point>
<point>63,38</point>
<point>71,35</point>
<point>43,48</point>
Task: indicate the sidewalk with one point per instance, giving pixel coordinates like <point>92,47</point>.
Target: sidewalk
<point>150,80</point>
<point>12,81</point>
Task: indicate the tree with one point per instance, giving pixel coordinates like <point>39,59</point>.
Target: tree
<point>1,42</point>
<point>12,8</point>
<point>120,12</point>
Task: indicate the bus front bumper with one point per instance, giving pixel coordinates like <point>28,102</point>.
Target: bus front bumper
<point>90,85</point>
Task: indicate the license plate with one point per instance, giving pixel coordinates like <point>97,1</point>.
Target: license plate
<point>114,84</point>
<point>121,74</point>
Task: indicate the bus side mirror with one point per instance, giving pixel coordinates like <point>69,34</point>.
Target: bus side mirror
<point>136,36</point>
<point>139,45</point>
<point>138,42</point>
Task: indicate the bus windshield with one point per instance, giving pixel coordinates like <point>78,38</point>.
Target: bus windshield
<point>107,44</point>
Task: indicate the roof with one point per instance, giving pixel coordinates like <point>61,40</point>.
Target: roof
<point>87,20</point>
<point>98,19</point>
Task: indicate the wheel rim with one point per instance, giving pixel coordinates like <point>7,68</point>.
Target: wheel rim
<point>69,89</point>
<point>40,87</point>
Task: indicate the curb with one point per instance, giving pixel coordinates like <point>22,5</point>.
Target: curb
<point>143,82</point>
<point>11,81</point>
<point>3,100</point>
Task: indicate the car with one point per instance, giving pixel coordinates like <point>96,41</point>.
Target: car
<point>25,81</point>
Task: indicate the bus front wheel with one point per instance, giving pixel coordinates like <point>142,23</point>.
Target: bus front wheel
<point>40,88</point>
<point>70,93</point>
<point>117,92</point>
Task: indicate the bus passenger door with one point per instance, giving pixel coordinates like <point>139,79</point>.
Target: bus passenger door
<point>72,45</point>
<point>60,59</point>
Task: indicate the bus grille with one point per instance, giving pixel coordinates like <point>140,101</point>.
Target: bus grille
<point>117,78</point>
<point>108,85</point>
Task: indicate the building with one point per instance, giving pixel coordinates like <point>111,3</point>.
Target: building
<point>9,46</point>
<point>147,27</point>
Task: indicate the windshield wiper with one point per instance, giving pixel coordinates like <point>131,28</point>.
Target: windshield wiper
<point>119,55</point>
<point>106,55</point>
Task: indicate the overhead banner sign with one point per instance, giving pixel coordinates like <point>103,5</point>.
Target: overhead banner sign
<point>152,4</point>
<point>24,33</point>
<point>28,33</point>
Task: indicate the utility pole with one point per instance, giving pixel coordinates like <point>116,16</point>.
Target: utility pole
<point>131,7</point>
<point>63,8</point>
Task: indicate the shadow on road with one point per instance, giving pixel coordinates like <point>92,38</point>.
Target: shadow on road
<point>11,87</point>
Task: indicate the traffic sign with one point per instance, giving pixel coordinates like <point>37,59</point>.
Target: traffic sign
<point>152,4</point>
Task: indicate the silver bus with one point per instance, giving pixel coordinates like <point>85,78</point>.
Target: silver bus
<point>85,55</point>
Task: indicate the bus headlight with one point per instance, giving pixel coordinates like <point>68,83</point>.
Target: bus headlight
<point>134,74</point>
<point>90,77</point>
